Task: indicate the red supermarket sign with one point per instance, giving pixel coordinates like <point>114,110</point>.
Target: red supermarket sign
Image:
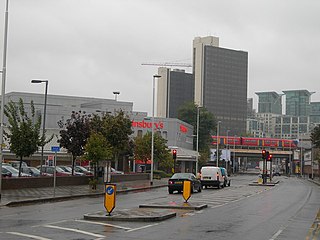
<point>143,124</point>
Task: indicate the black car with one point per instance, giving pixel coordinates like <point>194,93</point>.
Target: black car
<point>175,183</point>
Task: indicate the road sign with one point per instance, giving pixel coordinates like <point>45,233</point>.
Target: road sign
<point>186,190</point>
<point>55,149</point>
<point>110,197</point>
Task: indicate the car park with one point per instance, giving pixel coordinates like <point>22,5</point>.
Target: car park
<point>226,178</point>
<point>211,176</point>
<point>175,183</point>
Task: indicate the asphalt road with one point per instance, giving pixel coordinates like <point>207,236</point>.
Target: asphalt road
<point>285,211</point>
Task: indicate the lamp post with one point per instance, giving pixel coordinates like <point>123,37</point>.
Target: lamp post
<point>44,115</point>
<point>197,146</point>
<point>152,131</point>
<point>227,152</point>
<point>234,154</point>
<point>116,95</point>
<point>3,90</point>
<point>218,127</point>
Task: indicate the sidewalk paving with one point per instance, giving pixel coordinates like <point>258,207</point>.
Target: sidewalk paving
<point>47,194</point>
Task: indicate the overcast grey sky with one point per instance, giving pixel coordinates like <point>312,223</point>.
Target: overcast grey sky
<point>93,47</point>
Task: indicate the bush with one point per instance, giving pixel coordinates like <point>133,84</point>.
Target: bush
<point>159,174</point>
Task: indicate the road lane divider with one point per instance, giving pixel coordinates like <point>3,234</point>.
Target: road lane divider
<point>75,230</point>
<point>28,236</point>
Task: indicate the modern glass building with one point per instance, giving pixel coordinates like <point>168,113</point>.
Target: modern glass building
<point>269,102</point>
<point>298,102</point>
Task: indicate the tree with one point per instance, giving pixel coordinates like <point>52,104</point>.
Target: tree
<point>24,131</point>
<point>117,130</point>
<point>161,155</point>
<point>97,149</point>
<point>315,139</point>
<point>75,134</point>
<point>207,125</point>
<point>315,136</point>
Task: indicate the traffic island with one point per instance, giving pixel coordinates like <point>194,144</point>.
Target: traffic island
<point>132,215</point>
<point>175,205</point>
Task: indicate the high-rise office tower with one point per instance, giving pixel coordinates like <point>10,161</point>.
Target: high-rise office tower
<point>175,88</point>
<point>298,102</point>
<point>221,83</point>
<point>269,102</point>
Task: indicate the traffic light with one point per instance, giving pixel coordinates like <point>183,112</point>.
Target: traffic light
<point>269,158</point>
<point>264,154</point>
<point>174,154</point>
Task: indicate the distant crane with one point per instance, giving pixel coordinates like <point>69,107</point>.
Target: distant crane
<point>168,64</point>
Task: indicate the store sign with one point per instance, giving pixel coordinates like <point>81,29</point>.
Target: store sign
<point>143,124</point>
<point>183,129</point>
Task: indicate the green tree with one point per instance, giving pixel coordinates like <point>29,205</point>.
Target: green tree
<point>315,136</point>
<point>97,149</point>
<point>207,125</point>
<point>117,130</point>
<point>75,134</point>
<point>161,155</point>
<point>315,139</point>
<point>24,131</point>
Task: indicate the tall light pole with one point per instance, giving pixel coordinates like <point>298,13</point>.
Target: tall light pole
<point>227,154</point>
<point>116,95</point>
<point>44,116</point>
<point>152,129</point>
<point>3,90</point>
<point>197,146</point>
<point>234,154</point>
<point>218,127</point>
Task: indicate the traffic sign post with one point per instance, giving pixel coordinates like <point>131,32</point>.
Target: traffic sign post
<point>110,197</point>
<point>55,149</point>
<point>186,190</point>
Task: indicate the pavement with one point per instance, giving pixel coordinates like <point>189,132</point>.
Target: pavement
<point>16,197</point>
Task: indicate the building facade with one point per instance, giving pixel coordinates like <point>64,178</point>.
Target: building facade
<point>298,102</point>
<point>221,77</point>
<point>269,102</point>
<point>175,88</point>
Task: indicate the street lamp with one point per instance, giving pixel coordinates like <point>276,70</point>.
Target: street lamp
<point>197,147</point>
<point>3,91</point>
<point>152,131</point>
<point>44,116</point>
<point>234,154</point>
<point>218,127</point>
<point>227,155</point>
<point>115,95</point>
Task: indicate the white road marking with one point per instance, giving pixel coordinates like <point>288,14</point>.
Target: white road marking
<point>139,228</point>
<point>104,224</point>
<point>75,230</point>
<point>277,233</point>
<point>51,223</point>
<point>29,236</point>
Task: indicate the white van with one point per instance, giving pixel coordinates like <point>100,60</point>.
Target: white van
<point>211,176</point>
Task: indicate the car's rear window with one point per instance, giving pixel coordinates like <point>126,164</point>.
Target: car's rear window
<point>181,175</point>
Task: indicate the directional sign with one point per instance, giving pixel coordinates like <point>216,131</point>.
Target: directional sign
<point>55,149</point>
<point>186,190</point>
<point>110,197</point>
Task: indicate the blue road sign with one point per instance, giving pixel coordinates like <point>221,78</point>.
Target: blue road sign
<point>55,149</point>
<point>109,190</point>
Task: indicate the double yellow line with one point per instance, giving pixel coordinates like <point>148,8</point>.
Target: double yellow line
<point>314,231</point>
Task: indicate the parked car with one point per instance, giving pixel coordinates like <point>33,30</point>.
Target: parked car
<point>50,170</point>
<point>211,177</point>
<point>69,170</point>
<point>226,178</point>
<point>34,172</point>
<point>113,171</point>
<point>15,172</point>
<point>175,183</point>
<point>83,170</point>
<point>5,172</point>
